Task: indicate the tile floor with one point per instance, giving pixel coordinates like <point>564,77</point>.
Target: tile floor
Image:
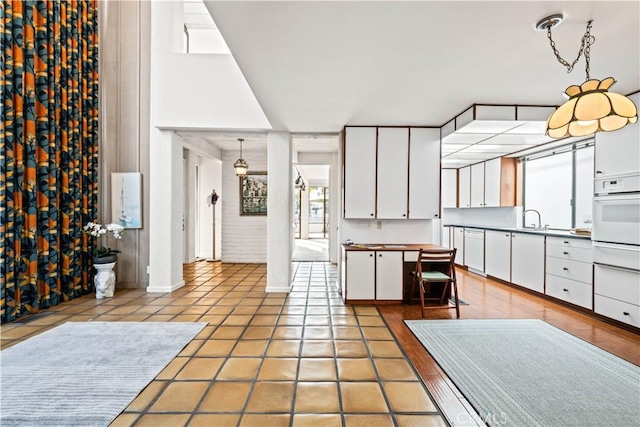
<point>303,359</point>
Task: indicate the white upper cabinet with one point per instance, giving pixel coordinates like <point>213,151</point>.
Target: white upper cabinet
<point>618,152</point>
<point>360,172</point>
<point>449,188</point>
<point>393,154</point>
<point>492,182</point>
<point>424,173</point>
<point>477,185</point>
<point>464,185</point>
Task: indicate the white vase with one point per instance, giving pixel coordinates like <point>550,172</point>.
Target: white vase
<point>105,280</point>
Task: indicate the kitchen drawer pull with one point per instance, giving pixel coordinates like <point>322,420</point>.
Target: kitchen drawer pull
<point>566,253</point>
<point>566,242</point>
<point>371,214</point>
<point>370,254</point>
<point>565,268</point>
<point>507,234</point>
<point>380,255</point>
<point>566,290</point>
<point>626,313</point>
<point>598,172</point>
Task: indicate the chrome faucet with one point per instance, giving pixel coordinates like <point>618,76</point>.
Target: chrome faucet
<point>539,218</point>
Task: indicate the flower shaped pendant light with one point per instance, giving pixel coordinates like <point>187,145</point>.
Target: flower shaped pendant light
<point>240,166</point>
<point>590,108</point>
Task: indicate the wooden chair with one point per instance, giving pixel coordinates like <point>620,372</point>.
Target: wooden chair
<point>443,261</point>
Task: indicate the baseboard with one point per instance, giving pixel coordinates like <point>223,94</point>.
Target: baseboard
<point>478,272</point>
<point>278,289</point>
<point>165,289</point>
<point>213,259</point>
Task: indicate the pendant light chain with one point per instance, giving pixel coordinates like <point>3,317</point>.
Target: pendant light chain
<point>585,47</point>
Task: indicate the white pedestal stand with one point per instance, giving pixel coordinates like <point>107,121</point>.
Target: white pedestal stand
<point>105,280</point>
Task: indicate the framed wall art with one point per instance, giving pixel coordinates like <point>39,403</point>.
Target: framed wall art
<point>126,199</point>
<point>253,193</point>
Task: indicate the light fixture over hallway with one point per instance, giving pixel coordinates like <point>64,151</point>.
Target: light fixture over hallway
<point>590,108</point>
<point>240,166</point>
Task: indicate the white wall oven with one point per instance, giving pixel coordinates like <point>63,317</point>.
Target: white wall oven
<point>616,210</point>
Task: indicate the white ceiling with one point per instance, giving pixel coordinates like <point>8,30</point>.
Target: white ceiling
<point>314,174</point>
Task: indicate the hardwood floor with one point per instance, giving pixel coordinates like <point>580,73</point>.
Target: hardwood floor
<point>490,299</point>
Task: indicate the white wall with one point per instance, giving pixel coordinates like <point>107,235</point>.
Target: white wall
<point>210,179</point>
<point>244,238</point>
<point>490,217</point>
<point>390,231</point>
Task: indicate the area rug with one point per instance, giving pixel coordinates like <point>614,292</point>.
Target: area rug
<point>524,372</point>
<point>85,373</point>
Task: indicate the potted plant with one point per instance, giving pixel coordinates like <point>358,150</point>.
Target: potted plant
<point>104,254</point>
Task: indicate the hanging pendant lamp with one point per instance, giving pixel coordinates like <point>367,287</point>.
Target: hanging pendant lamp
<point>240,166</point>
<point>590,108</point>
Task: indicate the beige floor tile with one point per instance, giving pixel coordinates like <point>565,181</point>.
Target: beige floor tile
<point>351,349</point>
<point>341,320</point>
<point>368,421</point>
<point>317,397</point>
<point>370,321</point>
<point>170,371</point>
<point>318,311</point>
<point>155,420</point>
<point>239,369</point>
<point>264,319</point>
<point>366,311</point>
<point>192,348</point>
<point>356,370</point>
<point>200,368</point>
<point>226,397</point>
<point>283,348</point>
<point>317,349</point>
<point>268,310</point>
<point>216,348</point>
<point>384,349</point>
<point>287,332</point>
<point>314,369</point>
<point>246,348</point>
<point>227,332</point>
<point>237,320</point>
<point>317,320</point>
<point>395,370</point>
<point>278,369</point>
<point>146,396</point>
<point>378,334</point>
<point>124,420</point>
<point>264,420</point>
<point>317,333</point>
<point>291,320</point>
<point>347,333</point>
<point>317,420</point>
<point>51,319</point>
<point>21,332</point>
<point>420,421</point>
<point>180,396</point>
<point>245,310</point>
<point>258,332</point>
<point>211,420</point>
<point>212,320</point>
<point>362,397</point>
<point>271,397</point>
<point>408,397</point>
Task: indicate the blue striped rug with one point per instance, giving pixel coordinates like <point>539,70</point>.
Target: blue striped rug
<point>524,372</point>
<point>85,373</point>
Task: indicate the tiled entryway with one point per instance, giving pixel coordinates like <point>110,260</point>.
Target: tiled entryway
<point>301,359</point>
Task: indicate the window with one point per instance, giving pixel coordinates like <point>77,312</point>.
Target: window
<point>559,185</point>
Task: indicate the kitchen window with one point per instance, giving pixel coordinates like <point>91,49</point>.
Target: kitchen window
<point>559,184</point>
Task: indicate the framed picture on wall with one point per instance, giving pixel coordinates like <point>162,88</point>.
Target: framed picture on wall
<point>253,193</point>
<point>126,199</point>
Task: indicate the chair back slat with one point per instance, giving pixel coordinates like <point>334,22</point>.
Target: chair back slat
<point>437,256</point>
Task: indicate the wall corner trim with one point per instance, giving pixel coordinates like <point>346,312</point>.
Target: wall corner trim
<point>276,289</point>
<point>165,289</point>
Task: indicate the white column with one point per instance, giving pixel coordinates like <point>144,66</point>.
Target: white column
<point>279,212</point>
<point>304,213</point>
<point>165,219</point>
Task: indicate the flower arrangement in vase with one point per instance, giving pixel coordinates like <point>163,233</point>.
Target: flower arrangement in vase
<point>104,254</point>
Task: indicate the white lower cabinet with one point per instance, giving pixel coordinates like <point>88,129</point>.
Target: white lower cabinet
<point>497,256</point>
<point>570,271</point>
<point>617,293</point>
<point>571,291</point>
<point>389,265</point>
<point>360,275</point>
<point>474,249</point>
<point>458,243</point>
<point>527,261</point>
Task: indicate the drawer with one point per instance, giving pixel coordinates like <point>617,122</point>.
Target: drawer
<point>570,253</point>
<point>622,311</point>
<point>569,242</point>
<point>577,293</point>
<point>574,270</point>
<point>617,283</point>
<point>411,256</point>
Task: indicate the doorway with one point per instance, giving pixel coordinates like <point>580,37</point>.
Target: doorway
<point>312,214</point>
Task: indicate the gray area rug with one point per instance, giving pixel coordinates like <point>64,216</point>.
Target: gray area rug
<point>524,372</point>
<point>85,374</point>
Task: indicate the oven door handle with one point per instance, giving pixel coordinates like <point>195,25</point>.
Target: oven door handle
<point>615,198</point>
<point>615,267</point>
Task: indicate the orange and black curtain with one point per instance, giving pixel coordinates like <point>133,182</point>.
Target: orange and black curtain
<point>48,151</point>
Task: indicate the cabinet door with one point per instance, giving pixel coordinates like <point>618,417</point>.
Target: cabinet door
<point>393,152</point>
<point>498,254</point>
<point>424,173</point>
<point>618,152</point>
<point>449,188</point>
<point>389,275</point>
<point>360,173</point>
<point>361,275</point>
<point>447,241</point>
<point>477,185</point>
<point>474,249</point>
<point>458,243</point>
<point>527,261</point>
<point>464,187</point>
<point>492,170</point>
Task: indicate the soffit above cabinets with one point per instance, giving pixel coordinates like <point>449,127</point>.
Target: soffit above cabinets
<point>484,132</point>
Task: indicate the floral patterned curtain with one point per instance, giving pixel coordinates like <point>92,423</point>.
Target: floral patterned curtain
<point>48,151</point>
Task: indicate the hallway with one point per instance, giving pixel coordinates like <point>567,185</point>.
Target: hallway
<point>311,250</point>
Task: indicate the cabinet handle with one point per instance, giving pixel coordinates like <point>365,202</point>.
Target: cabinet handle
<point>566,253</point>
<point>507,235</point>
<point>566,290</point>
<point>380,255</point>
<point>436,215</point>
<point>404,214</point>
<point>370,254</point>
<point>566,242</point>
<point>598,172</point>
<point>371,214</point>
<point>626,313</point>
<point>565,268</point>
